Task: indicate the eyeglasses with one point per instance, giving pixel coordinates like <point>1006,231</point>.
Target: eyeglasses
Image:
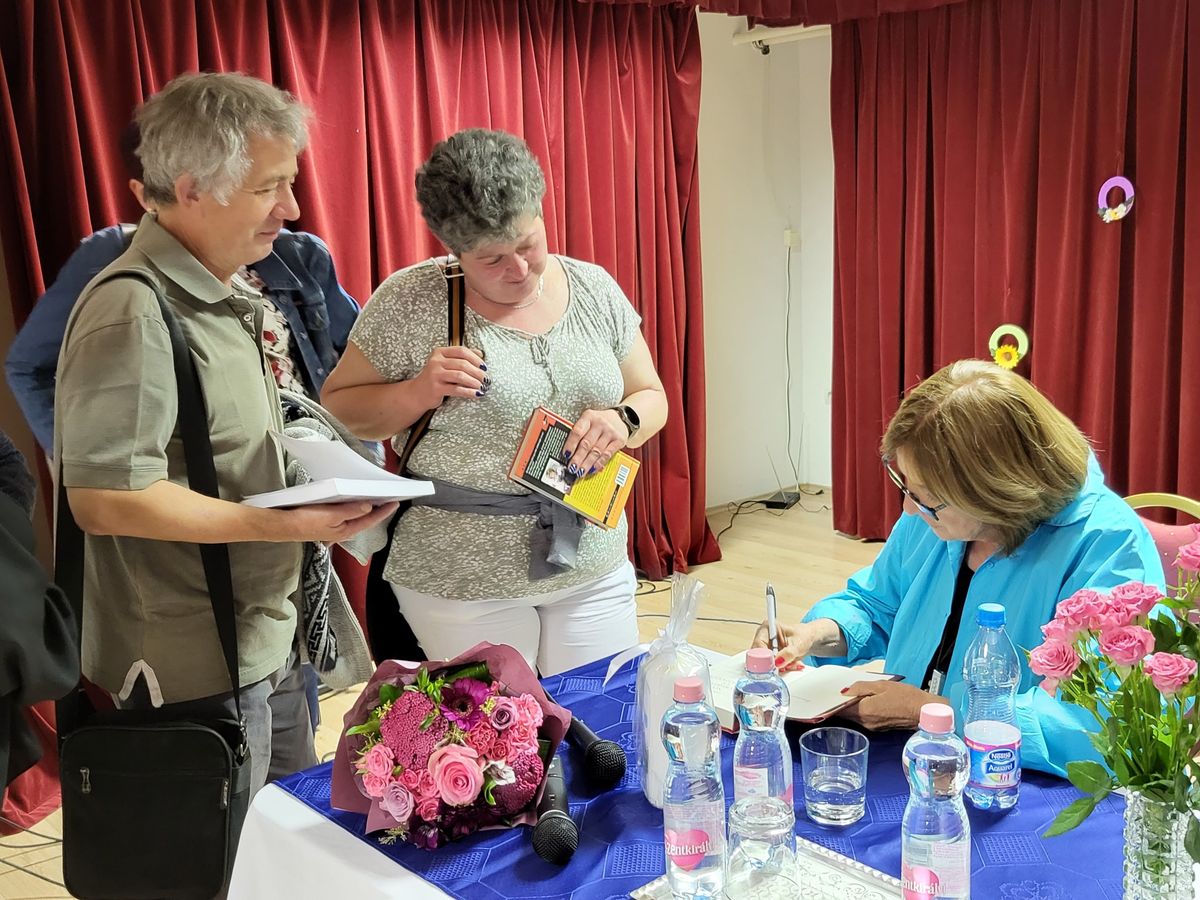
<point>930,511</point>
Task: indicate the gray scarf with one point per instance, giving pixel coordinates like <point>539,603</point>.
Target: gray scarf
<point>555,539</point>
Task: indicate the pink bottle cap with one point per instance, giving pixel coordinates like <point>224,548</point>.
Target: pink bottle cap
<point>760,660</point>
<point>689,689</point>
<point>937,718</point>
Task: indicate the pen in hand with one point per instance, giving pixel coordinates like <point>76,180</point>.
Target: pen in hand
<point>772,628</point>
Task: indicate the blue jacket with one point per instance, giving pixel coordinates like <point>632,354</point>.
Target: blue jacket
<point>299,274</point>
<point>1097,541</point>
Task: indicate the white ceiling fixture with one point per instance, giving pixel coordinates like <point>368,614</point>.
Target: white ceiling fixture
<point>762,37</point>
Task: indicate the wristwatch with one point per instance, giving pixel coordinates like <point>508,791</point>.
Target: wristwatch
<point>630,417</point>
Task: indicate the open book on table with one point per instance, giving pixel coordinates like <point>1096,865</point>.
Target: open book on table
<point>816,690</point>
<point>539,466</point>
<point>338,475</point>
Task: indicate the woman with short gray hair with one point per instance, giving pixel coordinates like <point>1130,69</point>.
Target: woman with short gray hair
<point>541,329</point>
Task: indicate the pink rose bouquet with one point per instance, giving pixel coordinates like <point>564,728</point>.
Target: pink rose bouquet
<point>433,752</point>
<point>1129,657</point>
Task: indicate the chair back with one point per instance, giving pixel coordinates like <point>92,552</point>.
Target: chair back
<point>1168,538</point>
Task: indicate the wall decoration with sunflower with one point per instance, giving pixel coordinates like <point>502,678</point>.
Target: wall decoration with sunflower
<point>1109,214</point>
<point>1008,355</point>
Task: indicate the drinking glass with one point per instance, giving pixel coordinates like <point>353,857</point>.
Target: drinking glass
<point>762,838</point>
<point>834,765</point>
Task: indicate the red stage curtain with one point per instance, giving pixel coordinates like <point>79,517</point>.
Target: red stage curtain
<point>970,143</point>
<point>606,96</point>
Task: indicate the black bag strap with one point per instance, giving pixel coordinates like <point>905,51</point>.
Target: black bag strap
<point>70,546</point>
<point>456,312</point>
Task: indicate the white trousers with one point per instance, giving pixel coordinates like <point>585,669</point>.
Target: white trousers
<point>554,632</point>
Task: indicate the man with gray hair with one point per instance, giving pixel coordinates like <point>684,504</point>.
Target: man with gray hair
<point>219,156</point>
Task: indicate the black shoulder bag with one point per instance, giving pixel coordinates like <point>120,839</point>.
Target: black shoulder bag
<point>388,632</point>
<point>153,807</point>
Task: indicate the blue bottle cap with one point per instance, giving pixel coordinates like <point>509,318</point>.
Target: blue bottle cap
<point>991,615</point>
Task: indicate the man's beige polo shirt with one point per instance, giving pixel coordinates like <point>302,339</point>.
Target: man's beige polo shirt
<point>146,605</point>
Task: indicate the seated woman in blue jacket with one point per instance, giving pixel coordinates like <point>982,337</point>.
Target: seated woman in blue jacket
<point>1003,502</point>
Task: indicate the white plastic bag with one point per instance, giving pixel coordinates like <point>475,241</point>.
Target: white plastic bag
<point>669,657</point>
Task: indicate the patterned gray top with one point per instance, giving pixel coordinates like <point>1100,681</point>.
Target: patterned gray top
<point>573,367</point>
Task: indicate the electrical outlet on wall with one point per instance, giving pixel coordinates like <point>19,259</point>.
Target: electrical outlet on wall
<point>791,237</point>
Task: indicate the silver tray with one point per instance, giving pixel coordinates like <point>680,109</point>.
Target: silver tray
<point>823,875</point>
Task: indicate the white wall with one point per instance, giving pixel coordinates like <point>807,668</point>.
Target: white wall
<point>766,164</point>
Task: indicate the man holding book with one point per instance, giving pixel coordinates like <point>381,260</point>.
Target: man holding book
<point>539,329</point>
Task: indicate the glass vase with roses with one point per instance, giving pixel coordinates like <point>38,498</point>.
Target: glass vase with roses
<point>1129,657</point>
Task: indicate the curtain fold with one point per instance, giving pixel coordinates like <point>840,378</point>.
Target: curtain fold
<point>970,143</point>
<point>606,96</point>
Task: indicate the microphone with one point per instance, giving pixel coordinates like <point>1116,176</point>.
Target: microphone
<point>604,760</point>
<point>555,836</point>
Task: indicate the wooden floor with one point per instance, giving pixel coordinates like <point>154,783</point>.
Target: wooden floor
<point>797,551</point>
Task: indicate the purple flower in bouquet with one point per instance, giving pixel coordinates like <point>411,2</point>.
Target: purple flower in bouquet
<point>505,713</point>
<point>397,802</point>
<point>427,837</point>
<point>527,775</point>
<point>462,702</point>
<point>402,730</point>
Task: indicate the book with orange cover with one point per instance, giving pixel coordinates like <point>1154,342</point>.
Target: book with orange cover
<point>539,466</point>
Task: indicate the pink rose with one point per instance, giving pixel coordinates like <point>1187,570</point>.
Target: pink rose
<point>456,772</point>
<point>427,809</point>
<point>1169,671</point>
<point>1137,598</point>
<point>379,760</point>
<point>411,779</point>
<point>374,785</point>
<point>500,749</point>
<point>1058,630</point>
<point>1049,685</point>
<point>1083,609</point>
<point>522,736</point>
<point>397,802</point>
<point>1126,645</point>
<point>1054,659</point>
<point>427,786</point>
<point>530,710</point>
<point>504,713</point>
<point>1189,557</point>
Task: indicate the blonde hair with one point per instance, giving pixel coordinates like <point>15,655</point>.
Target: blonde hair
<point>987,442</point>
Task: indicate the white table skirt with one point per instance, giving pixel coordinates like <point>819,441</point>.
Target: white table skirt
<point>289,850</point>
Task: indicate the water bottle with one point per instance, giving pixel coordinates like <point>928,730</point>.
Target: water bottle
<point>693,795</point>
<point>991,673</point>
<point>935,836</point>
<point>762,759</point>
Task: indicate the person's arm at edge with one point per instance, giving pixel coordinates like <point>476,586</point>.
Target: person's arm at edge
<point>165,511</point>
<point>38,634</point>
<point>854,625</point>
<point>33,356</point>
<point>643,391</point>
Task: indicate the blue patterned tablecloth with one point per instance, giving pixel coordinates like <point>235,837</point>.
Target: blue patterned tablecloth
<point>621,840</point>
